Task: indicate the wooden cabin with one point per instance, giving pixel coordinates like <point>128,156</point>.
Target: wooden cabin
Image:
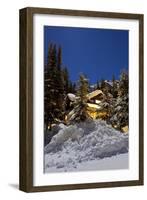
<point>94,108</point>
<point>95,97</point>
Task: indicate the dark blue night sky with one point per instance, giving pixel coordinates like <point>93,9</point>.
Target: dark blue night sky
<point>98,53</point>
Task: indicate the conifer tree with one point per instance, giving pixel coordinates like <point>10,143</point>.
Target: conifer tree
<point>120,115</point>
<point>114,90</point>
<point>83,88</point>
<point>60,82</point>
<point>48,85</point>
<point>74,88</point>
<point>53,85</point>
<point>82,91</point>
<point>56,86</point>
<point>124,83</point>
<point>66,79</point>
<point>59,58</point>
<point>97,85</point>
<point>102,84</point>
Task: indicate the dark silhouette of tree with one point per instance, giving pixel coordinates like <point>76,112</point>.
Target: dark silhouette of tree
<point>102,84</point>
<point>48,87</point>
<point>66,80</point>
<point>97,85</point>
<point>60,82</point>
<point>83,88</point>
<point>124,82</point>
<point>120,112</point>
<point>82,91</point>
<point>114,90</point>
<point>53,86</point>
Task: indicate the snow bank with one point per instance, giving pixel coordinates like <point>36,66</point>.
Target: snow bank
<point>71,96</point>
<point>115,162</point>
<point>84,142</point>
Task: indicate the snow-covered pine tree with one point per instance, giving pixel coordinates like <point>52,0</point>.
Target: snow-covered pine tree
<point>114,90</point>
<point>81,104</point>
<point>120,112</point>
<point>66,81</point>
<point>53,86</point>
<point>83,88</point>
<point>102,84</point>
<point>48,86</point>
<point>60,84</point>
<point>124,83</point>
<point>72,87</point>
<point>79,111</point>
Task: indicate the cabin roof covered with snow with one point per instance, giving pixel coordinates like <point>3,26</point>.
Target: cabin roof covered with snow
<point>110,83</point>
<point>94,94</point>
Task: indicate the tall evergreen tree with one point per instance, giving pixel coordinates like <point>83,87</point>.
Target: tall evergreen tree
<point>60,81</point>
<point>74,88</point>
<point>82,91</point>
<point>59,58</point>
<point>79,112</point>
<point>120,114</point>
<point>102,84</point>
<point>83,88</point>
<point>97,85</point>
<point>66,79</point>
<point>114,90</point>
<point>48,86</point>
<point>53,85</point>
<point>124,82</point>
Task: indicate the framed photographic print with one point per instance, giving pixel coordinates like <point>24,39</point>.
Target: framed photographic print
<point>81,99</point>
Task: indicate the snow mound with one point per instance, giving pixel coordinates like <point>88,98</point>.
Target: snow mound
<point>71,96</point>
<point>83,142</point>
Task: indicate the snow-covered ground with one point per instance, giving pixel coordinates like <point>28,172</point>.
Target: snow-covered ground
<point>108,163</point>
<point>91,145</point>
